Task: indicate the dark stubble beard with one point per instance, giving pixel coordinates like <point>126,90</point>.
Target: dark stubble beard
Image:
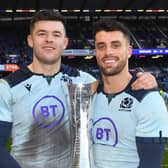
<point>48,62</point>
<point>113,71</point>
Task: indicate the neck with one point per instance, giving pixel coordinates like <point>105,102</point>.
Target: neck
<point>116,83</point>
<point>45,69</point>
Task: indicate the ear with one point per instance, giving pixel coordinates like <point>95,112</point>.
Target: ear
<point>66,41</point>
<point>30,41</point>
<point>129,51</point>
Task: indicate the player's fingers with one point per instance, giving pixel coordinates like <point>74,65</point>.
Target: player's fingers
<point>144,81</point>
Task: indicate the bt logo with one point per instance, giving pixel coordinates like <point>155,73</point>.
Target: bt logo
<point>48,112</point>
<point>103,131</point>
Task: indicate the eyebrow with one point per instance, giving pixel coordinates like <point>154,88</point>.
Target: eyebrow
<point>55,31</point>
<point>112,42</point>
<point>115,42</point>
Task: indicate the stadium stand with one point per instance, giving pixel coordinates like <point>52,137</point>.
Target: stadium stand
<point>149,31</point>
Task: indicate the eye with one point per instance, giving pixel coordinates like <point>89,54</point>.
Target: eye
<point>41,33</point>
<point>115,46</point>
<point>57,34</point>
<point>100,46</point>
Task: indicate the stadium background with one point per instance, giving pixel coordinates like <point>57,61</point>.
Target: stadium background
<point>147,21</point>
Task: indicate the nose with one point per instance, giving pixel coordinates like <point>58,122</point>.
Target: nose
<point>109,50</point>
<point>49,38</point>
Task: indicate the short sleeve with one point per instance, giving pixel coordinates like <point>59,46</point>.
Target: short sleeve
<point>152,116</point>
<point>5,102</point>
<point>84,78</point>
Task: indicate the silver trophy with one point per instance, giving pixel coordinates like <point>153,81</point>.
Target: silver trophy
<point>80,98</point>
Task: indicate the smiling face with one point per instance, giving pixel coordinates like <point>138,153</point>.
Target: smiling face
<point>48,40</point>
<point>112,52</point>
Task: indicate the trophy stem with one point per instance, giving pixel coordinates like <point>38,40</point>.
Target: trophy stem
<point>84,162</point>
<point>81,152</point>
<point>76,152</point>
<point>80,99</point>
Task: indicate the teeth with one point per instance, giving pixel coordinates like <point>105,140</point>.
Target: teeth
<point>48,48</point>
<point>110,61</point>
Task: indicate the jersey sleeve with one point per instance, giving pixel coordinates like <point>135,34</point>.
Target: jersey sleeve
<point>5,102</point>
<point>150,154</point>
<point>6,160</point>
<point>151,130</point>
<point>86,77</point>
<point>152,116</point>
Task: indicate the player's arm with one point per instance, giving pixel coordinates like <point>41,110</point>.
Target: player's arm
<point>150,151</point>
<point>6,160</point>
<point>151,130</point>
<point>145,80</point>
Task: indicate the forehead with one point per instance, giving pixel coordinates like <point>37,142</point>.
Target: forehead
<point>49,26</point>
<point>108,36</point>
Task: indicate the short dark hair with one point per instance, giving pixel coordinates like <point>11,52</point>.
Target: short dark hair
<point>48,15</point>
<point>111,25</point>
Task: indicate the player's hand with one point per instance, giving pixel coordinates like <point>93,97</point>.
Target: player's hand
<point>145,80</point>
